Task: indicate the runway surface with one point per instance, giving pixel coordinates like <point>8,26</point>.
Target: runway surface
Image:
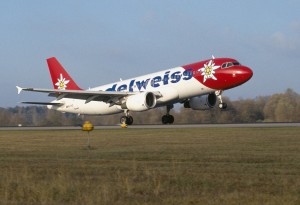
<point>175,126</point>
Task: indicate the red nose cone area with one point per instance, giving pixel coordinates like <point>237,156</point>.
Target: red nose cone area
<point>244,74</point>
<point>231,77</point>
<point>239,76</point>
<point>220,74</point>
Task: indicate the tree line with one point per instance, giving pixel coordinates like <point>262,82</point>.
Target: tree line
<point>282,107</point>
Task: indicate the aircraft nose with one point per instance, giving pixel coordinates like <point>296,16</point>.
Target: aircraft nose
<point>244,74</point>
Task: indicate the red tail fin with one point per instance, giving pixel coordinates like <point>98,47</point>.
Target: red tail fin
<point>60,78</point>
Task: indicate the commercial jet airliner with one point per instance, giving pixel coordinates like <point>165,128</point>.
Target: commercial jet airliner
<point>197,86</point>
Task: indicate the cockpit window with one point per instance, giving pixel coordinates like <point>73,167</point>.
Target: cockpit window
<point>230,64</point>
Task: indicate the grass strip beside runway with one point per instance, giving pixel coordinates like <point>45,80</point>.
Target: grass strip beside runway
<point>151,166</point>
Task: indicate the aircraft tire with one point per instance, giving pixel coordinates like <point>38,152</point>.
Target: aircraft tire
<point>129,120</point>
<point>222,106</point>
<point>164,119</point>
<point>171,119</point>
<point>167,119</point>
<point>123,120</point>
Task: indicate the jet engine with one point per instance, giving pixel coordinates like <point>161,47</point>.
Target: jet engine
<point>140,102</point>
<point>203,102</point>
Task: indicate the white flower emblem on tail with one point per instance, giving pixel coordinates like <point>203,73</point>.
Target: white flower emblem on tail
<point>208,70</point>
<point>62,83</point>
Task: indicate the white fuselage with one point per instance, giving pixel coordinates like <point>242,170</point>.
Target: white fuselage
<point>174,85</point>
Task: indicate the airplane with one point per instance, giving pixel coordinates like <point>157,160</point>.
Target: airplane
<point>197,86</point>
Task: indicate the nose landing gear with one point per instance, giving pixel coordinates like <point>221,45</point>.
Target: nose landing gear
<point>222,105</point>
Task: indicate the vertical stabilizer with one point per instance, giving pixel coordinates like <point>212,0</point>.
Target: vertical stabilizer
<point>60,78</point>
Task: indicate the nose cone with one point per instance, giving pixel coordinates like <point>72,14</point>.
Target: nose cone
<point>235,76</point>
<point>244,74</point>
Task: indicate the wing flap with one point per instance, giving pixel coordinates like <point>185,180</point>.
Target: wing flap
<point>85,96</point>
<point>42,103</point>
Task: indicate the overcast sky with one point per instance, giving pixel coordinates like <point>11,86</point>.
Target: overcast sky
<point>99,42</point>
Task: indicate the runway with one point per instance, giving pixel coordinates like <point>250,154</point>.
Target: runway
<point>175,126</point>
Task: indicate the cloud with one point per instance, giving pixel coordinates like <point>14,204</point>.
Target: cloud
<point>287,40</point>
<point>282,41</point>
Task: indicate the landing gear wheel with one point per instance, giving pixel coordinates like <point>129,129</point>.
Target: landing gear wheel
<point>164,119</point>
<point>126,120</point>
<point>129,120</point>
<point>222,106</point>
<point>167,119</point>
<point>123,120</point>
<point>171,119</point>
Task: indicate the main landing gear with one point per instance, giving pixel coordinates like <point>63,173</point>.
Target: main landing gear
<point>222,105</point>
<point>127,119</point>
<point>168,119</point>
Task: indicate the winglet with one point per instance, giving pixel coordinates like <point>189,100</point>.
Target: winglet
<point>19,89</point>
<point>213,57</point>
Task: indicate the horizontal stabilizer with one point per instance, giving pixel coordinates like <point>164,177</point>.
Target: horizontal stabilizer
<point>19,89</point>
<point>42,103</point>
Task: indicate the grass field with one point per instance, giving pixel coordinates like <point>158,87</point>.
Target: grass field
<point>151,166</point>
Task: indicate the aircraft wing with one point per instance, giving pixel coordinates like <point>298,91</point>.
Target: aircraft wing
<point>87,95</point>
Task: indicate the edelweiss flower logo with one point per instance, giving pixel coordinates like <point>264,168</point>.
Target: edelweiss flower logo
<point>62,83</point>
<point>209,70</point>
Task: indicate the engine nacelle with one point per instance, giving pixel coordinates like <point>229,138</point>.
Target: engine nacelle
<point>203,102</point>
<point>140,102</point>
